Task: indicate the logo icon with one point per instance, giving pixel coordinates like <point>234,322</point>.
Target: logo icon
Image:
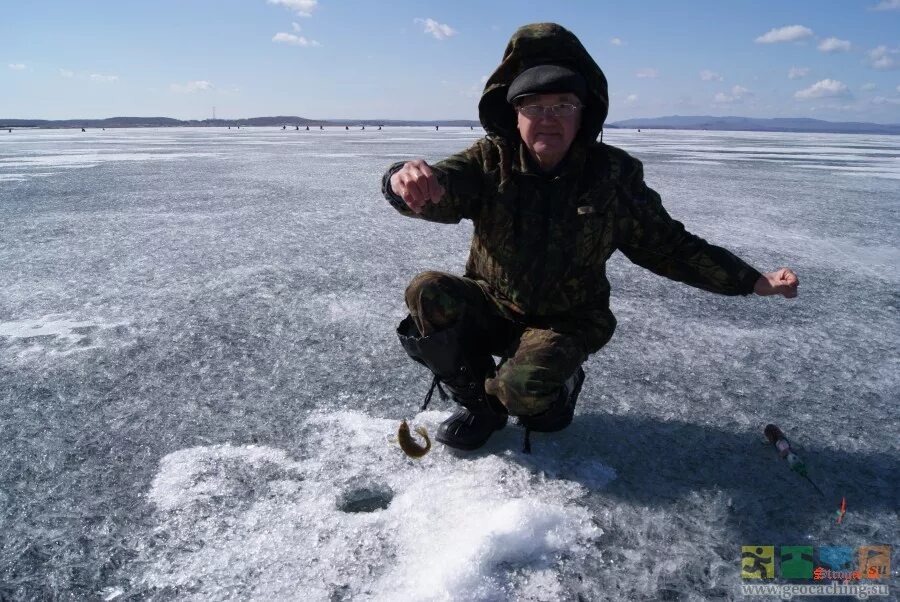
<point>875,562</point>
<point>757,562</point>
<point>837,558</point>
<point>796,562</point>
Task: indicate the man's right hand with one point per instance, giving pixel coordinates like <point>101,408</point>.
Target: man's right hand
<point>416,184</point>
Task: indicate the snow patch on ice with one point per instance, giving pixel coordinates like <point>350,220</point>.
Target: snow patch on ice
<point>54,333</point>
<point>451,527</point>
<point>195,475</point>
<point>52,325</point>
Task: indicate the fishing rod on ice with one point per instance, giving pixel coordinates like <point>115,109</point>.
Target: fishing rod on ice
<point>776,437</point>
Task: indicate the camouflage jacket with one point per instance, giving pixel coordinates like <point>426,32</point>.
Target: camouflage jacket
<point>541,243</point>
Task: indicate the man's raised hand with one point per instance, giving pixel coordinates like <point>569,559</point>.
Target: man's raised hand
<point>781,282</point>
<point>416,184</point>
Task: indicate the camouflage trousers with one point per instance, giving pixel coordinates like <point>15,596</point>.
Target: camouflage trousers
<point>538,361</point>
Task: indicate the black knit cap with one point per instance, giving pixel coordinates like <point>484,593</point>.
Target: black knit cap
<point>547,79</point>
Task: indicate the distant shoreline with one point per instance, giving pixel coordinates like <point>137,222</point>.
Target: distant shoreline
<point>675,122</point>
<point>752,124</point>
<point>278,121</point>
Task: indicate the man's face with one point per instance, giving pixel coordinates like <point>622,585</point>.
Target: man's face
<point>548,138</point>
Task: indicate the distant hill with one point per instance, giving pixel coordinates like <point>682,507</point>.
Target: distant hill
<point>278,121</point>
<point>785,124</point>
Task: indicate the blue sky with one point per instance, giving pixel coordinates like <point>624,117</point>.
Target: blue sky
<point>836,60</point>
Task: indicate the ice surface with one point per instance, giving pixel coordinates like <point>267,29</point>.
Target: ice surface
<point>68,161</point>
<point>876,155</point>
<point>200,379</point>
<point>695,161</point>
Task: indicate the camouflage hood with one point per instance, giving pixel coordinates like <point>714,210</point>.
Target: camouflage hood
<point>537,44</point>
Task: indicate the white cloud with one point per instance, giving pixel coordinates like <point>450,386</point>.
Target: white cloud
<point>884,58</point>
<point>827,88</point>
<point>66,73</point>
<point>475,90</point>
<point>647,73</point>
<point>99,77</point>
<point>295,26</point>
<point>834,45</point>
<point>881,100</point>
<point>303,8</point>
<point>17,66</point>
<point>616,41</point>
<point>710,76</point>
<point>898,88</point>
<point>289,38</point>
<point>738,93</point>
<point>190,87</point>
<point>798,72</point>
<point>631,98</point>
<point>887,5</point>
<point>790,33</point>
<point>440,31</point>
<point>869,87</point>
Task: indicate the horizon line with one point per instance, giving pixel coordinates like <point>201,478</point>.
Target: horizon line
<point>421,120</point>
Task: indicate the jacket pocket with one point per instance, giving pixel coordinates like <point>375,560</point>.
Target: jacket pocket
<point>589,238</point>
<point>594,226</point>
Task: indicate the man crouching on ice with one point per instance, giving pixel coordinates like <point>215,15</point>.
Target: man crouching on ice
<point>550,205</point>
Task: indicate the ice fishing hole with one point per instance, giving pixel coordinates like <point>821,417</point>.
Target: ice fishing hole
<point>366,499</point>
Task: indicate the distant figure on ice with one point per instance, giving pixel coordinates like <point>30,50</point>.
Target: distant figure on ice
<point>307,128</point>
<point>437,127</point>
<point>379,128</point>
<point>284,127</point>
<point>550,205</point>
<point>363,127</point>
<point>297,128</point>
<point>82,129</point>
<point>321,127</point>
<point>346,127</point>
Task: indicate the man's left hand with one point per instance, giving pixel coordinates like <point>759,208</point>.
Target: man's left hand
<point>781,282</point>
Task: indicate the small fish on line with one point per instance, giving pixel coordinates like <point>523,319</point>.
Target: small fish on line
<point>409,445</point>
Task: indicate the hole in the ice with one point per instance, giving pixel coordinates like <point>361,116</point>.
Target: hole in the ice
<point>365,499</point>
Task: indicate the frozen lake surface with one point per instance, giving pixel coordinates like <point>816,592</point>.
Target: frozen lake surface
<point>200,380</point>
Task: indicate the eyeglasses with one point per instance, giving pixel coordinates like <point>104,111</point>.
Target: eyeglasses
<point>560,110</point>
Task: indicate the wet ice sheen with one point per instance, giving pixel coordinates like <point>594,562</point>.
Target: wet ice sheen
<point>199,377</point>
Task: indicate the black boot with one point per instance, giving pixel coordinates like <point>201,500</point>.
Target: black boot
<point>449,355</point>
<point>467,430</point>
<point>560,414</point>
